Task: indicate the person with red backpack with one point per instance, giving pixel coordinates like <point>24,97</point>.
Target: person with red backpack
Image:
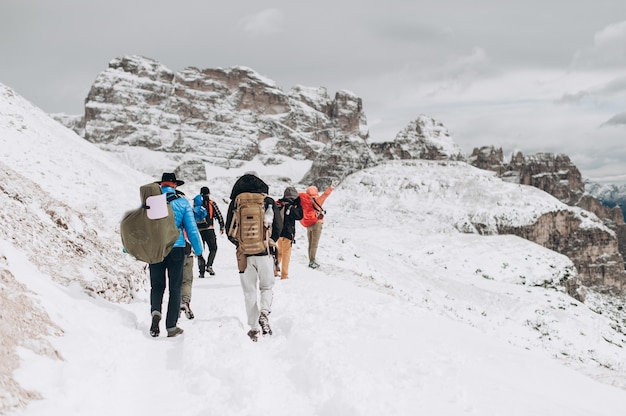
<point>313,218</point>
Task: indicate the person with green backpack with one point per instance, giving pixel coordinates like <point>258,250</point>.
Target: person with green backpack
<point>173,263</point>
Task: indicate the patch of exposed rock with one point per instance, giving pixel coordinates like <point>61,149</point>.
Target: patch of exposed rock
<point>339,159</point>
<point>23,325</point>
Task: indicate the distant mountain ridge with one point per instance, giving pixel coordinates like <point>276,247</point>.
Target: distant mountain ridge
<point>610,195</point>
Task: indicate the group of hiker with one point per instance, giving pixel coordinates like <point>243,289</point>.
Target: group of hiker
<point>261,229</point>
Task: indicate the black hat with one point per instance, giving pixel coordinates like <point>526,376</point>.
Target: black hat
<point>205,190</point>
<point>170,177</point>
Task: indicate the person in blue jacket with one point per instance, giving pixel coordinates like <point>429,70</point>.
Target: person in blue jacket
<point>174,261</point>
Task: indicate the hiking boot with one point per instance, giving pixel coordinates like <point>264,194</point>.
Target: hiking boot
<point>154,328</point>
<point>201,266</point>
<point>187,309</point>
<point>174,332</point>
<point>314,265</point>
<point>265,324</point>
<point>254,334</point>
<point>210,270</point>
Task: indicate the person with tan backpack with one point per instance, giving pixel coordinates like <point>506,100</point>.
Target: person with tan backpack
<point>249,222</point>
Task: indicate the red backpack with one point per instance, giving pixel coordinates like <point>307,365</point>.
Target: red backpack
<point>309,216</point>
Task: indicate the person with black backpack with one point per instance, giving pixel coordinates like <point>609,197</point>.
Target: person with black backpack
<point>173,263</point>
<point>291,211</point>
<point>249,222</point>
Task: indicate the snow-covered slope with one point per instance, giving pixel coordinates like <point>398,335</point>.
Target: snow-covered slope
<point>59,161</point>
<point>408,311</point>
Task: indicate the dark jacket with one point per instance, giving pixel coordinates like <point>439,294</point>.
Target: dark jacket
<point>292,212</point>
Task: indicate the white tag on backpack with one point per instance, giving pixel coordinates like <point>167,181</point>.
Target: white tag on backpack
<point>157,206</point>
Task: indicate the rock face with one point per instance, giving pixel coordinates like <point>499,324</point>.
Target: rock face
<point>488,158</point>
<point>555,174</point>
<point>221,116</point>
<point>338,160</point>
<point>594,251</point>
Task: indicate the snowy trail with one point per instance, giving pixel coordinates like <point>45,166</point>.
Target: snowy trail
<point>337,348</point>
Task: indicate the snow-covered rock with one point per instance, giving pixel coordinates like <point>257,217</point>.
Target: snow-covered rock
<point>219,116</point>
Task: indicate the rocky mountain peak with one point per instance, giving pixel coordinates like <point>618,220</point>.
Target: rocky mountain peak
<point>219,116</point>
<point>422,138</point>
<point>142,67</point>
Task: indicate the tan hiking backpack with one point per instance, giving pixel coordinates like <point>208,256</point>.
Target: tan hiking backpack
<point>247,225</point>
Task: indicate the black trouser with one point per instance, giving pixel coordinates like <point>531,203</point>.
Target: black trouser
<point>208,236</point>
<point>173,265</point>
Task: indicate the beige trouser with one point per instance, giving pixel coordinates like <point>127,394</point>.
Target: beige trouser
<point>313,234</point>
<point>284,256</point>
<point>185,291</point>
<point>259,269</point>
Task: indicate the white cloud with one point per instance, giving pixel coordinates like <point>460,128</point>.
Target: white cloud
<point>609,49</point>
<point>611,34</point>
<point>265,22</point>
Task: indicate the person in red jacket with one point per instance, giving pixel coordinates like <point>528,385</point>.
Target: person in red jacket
<point>313,218</point>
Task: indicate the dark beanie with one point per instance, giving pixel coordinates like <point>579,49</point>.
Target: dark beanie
<point>204,190</point>
<point>290,192</point>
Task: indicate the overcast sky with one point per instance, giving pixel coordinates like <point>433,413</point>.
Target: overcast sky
<point>531,75</point>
